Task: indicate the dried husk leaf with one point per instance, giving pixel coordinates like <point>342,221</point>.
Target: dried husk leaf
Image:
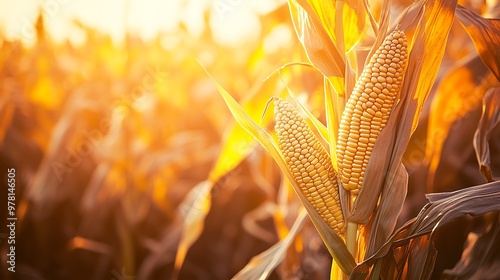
<point>387,214</point>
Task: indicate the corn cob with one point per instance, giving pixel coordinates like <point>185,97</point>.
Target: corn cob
<point>368,109</point>
<point>309,164</point>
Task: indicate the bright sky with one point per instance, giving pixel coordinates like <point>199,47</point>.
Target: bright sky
<point>233,21</point>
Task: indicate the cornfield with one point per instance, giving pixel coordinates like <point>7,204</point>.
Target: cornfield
<point>364,145</point>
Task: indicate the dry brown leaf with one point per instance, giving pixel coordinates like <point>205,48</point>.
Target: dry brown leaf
<point>485,34</point>
<point>261,266</point>
<point>420,259</point>
<point>489,120</point>
<point>387,214</point>
<point>480,258</point>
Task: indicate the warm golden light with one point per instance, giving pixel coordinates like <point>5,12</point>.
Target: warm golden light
<point>233,22</point>
<point>249,139</point>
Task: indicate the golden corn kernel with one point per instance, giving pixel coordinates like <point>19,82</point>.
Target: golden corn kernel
<point>317,178</point>
<point>375,93</point>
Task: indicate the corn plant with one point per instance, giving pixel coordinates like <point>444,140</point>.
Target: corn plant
<point>354,194</point>
<point>129,166</point>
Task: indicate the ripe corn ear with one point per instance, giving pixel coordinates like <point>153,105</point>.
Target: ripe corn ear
<point>368,109</point>
<point>309,164</point>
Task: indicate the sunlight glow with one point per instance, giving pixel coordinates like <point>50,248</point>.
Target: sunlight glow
<point>233,22</point>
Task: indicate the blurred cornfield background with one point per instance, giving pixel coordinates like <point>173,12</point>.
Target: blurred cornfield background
<point>129,164</point>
